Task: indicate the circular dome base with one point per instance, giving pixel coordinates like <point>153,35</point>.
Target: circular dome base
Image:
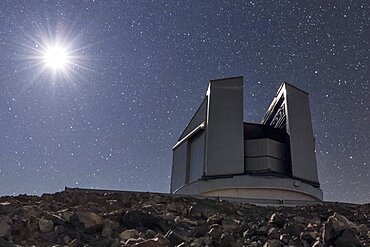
<point>254,187</point>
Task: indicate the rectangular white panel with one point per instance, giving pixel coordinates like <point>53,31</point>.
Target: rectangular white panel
<point>179,166</point>
<point>224,127</point>
<point>196,157</point>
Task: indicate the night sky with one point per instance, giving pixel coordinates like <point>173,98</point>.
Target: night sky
<point>136,72</point>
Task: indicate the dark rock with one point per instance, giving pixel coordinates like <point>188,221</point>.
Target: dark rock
<point>175,207</point>
<point>150,234</point>
<point>262,231</point>
<point>47,197</point>
<point>66,214</point>
<point>241,228</point>
<point>108,228</point>
<point>48,237</point>
<point>175,238</point>
<point>32,224</point>
<point>19,225</point>
<point>27,211</point>
<point>298,242</point>
<point>273,243</point>
<point>317,244</point>
<point>169,216</point>
<point>284,238</point>
<point>277,219</point>
<point>185,221</point>
<point>200,231</point>
<point>60,229</point>
<point>116,243</point>
<point>204,208</point>
<point>150,209</point>
<point>347,239</point>
<point>228,240</point>
<point>273,233</point>
<point>8,207</point>
<point>215,232</point>
<point>76,243</point>
<point>127,234</point>
<point>214,219</point>
<point>203,241</point>
<point>115,215</point>
<point>336,226</point>
<point>294,229</point>
<point>138,219</point>
<point>46,225</point>
<point>56,219</point>
<point>363,230</point>
<point>260,238</point>
<point>6,243</point>
<point>229,224</point>
<point>249,233</point>
<point>90,222</point>
<point>5,226</point>
<point>300,220</point>
<point>105,242</point>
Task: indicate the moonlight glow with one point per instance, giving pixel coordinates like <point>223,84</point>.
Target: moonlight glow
<point>60,59</point>
<point>55,57</point>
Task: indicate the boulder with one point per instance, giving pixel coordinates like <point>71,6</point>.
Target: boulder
<point>4,227</point>
<point>273,233</point>
<point>200,231</point>
<point>310,237</point>
<point>284,238</point>
<point>339,230</point>
<point>175,238</point>
<point>90,222</point>
<point>108,228</point>
<point>294,229</point>
<point>263,231</point>
<point>215,232</point>
<point>229,224</point>
<point>229,240</point>
<point>141,220</point>
<point>203,209</point>
<point>347,239</point>
<point>214,219</point>
<point>277,219</point>
<point>127,234</point>
<point>149,233</point>
<point>46,225</point>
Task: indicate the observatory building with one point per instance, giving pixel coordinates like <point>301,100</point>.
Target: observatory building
<point>220,155</point>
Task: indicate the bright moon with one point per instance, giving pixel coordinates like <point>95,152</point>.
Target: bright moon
<point>55,57</point>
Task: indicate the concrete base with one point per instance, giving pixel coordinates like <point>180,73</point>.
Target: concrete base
<point>256,187</point>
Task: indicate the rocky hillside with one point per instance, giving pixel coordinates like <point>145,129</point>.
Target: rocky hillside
<point>149,219</point>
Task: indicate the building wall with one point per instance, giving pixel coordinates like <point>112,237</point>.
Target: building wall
<point>224,128</point>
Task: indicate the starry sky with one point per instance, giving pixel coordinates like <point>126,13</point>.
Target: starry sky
<point>138,70</point>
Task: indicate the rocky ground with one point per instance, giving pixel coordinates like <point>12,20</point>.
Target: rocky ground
<point>149,219</point>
